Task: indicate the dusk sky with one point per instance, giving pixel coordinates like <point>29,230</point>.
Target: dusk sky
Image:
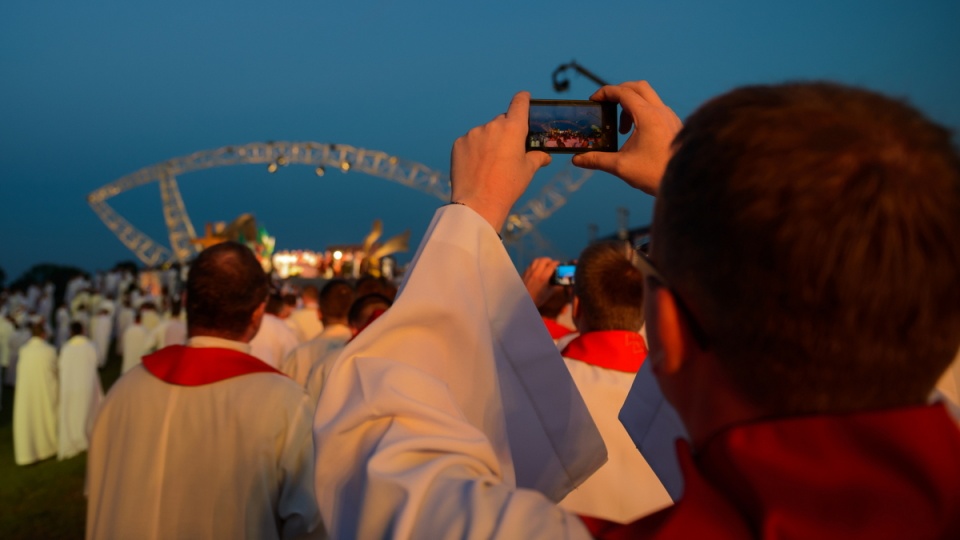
<point>92,91</point>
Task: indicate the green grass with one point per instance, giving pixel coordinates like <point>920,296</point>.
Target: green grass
<point>45,499</point>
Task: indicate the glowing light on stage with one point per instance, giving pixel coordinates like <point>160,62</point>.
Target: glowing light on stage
<point>320,171</point>
<point>337,255</point>
<point>345,166</point>
<point>272,168</point>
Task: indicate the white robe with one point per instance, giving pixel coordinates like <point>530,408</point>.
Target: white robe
<point>101,333</point>
<point>320,371</point>
<point>35,403</point>
<point>625,488</point>
<point>230,459</point>
<point>175,332</point>
<point>6,335</point>
<point>306,322</point>
<point>274,341</point>
<point>299,363</point>
<point>19,339</point>
<point>438,411</point>
<point>80,395</point>
<point>125,317</point>
<point>134,344</point>
<point>63,326</point>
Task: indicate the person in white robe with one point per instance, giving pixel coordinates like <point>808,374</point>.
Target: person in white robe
<point>45,306</point>
<point>149,316</point>
<point>101,333</point>
<point>604,359</point>
<point>125,315</point>
<point>306,319</point>
<point>63,325</point>
<point>175,331</point>
<point>335,301</point>
<point>453,414</point>
<point>275,340</point>
<point>80,393</point>
<point>364,311</point>
<point>6,335</point>
<point>21,334</point>
<point>204,440</point>
<point>134,344</point>
<point>35,401</point>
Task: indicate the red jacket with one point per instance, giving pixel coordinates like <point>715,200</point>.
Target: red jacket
<point>881,474</point>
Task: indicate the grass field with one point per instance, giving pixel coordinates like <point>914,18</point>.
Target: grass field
<point>43,500</point>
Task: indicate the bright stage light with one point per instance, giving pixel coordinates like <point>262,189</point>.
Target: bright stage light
<point>272,167</point>
<point>320,171</point>
<point>345,166</point>
<point>337,255</point>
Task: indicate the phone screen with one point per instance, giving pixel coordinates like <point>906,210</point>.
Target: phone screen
<point>572,126</point>
<point>563,275</point>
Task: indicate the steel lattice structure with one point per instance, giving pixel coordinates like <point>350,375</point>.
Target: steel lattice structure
<point>278,154</point>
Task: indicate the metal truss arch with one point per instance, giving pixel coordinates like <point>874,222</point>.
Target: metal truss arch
<point>275,154</point>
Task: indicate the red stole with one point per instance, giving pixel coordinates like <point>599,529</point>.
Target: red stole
<point>197,366</point>
<point>556,329</point>
<point>620,350</point>
<point>879,474</point>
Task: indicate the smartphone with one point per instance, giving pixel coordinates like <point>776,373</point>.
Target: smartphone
<point>572,126</point>
<point>563,275</point>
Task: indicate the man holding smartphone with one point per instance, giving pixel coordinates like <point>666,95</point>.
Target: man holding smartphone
<point>788,220</point>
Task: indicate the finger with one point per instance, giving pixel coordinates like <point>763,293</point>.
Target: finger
<point>519,107</point>
<point>627,97</point>
<point>538,159</point>
<point>645,91</point>
<point>604,161</point>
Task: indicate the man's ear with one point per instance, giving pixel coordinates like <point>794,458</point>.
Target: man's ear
<point>255,320</point>
<point>670,332</point>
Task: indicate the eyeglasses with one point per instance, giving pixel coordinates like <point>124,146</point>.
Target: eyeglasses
<point>651,273</point>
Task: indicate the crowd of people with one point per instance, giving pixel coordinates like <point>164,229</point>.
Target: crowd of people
<point>781,361</point>
<point>565,138</point>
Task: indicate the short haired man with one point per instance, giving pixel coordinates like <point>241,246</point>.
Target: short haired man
<point>205,439</point>
<point>603,360</point>
<point>335,299</point>
<point>802,304</point>
<point>363,312</point>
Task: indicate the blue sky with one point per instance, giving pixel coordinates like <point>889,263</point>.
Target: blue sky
<point>92,91</point>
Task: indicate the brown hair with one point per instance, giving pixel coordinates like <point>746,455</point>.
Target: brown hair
<point>609,287</point>
<point>226,284</point>
<point>814,230</point>
<point>335,299</point>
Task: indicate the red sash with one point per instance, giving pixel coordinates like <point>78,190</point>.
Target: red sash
<point>197,366</point>
<point>556,329</point>
<point>620,350</point>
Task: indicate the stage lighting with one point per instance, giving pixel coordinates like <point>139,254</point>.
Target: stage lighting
<point>345,166</point>
<point>272,167</point>
<point>320,170</point>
